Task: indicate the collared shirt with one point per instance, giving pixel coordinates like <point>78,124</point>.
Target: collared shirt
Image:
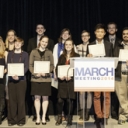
<point>38,39</point>
<point>124,67</point>
<point>82,49</point>
<point>102,42</point>
<point>112,39</point>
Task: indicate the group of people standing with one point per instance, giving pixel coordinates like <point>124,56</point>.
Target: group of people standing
<point>41,48</point>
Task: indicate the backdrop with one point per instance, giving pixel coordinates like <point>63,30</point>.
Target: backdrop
<point>23,15</point>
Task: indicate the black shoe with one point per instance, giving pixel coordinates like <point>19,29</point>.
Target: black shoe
<point>21,124</point>
<point>34,118</point>
<point>87,116</point>
<point>81,115</point>
<point>0,119</point>
<point>37,123</point>
<point>47,118</point>
<point>44,123</point>
<point>69,121</point>
<point>59,120</point>
<point>104,121</point>
<point>97,122</point>
<point>10,124</point>
<point>114,117</point>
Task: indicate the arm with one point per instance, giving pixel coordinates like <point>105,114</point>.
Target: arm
<point>51,62</point>
<point>26,63</point>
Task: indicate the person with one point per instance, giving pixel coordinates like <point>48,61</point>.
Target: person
<point>85,99</point>
<point>2,79</point>
<point>121,82</point>
<point>103,112</point>
<point>17,85</point>
<point>32,44</point>
<point>112,38</point>
<point>41,82</point>
<point>66,84</point>
<point>9,46</point>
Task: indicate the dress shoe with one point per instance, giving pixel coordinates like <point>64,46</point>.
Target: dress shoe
<point>44,123</point>
<point>10,124</point>
<point>47,119</point>
<point>59,120</point>
<point>34,118</point>
<point>104,121</point>
<point>21,124</point>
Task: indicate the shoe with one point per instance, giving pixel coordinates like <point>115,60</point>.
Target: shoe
<point>37,123</point>
<point>47,118</point>
<point>81,115</point>
<point>97,122</point>
<point>44,123</point>
<point>87,116</point>
<point>114,117</point>
<point>21,124</point>
<point>121,122</point>
<point>104,121</point>
<point>0,119</point>
<point>59,120</point>
<point>69,121</point>
<point>10,124</point>
<point>34,118</point>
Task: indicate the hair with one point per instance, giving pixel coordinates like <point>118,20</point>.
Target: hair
<point>84,31</point>
<point>72,52</point>
<point>112,23</point>
<point>64,30</point>
<point>100,26</point>
<point>125,28</point>
<point>6,41</point>
<point>40,24</point>
<point>41,39</point>
<point>18,39</point>
<point>2,48</point>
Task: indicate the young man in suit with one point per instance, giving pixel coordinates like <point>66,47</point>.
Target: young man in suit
<point>32,44</point>
<point>122,80</point>
<point>112,37</point>
<point>100,111</point>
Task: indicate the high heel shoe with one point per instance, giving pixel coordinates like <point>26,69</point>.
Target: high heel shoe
<point>44,123</point>
<point>37,123</point>
<point>59,120</point>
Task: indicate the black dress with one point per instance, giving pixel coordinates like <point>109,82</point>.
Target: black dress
<point>65,88</point>
<point>41,88</point>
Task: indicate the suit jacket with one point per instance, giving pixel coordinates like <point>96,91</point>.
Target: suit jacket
<point>32,44</point>
<point>108,48</point>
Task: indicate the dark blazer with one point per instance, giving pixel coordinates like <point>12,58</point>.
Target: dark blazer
<point>108,48</point>
<point>32,44</point>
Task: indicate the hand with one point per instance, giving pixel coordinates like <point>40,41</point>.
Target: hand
<point>127,62</point>
<point>89,55</point>
<point>62,78</point>
<point>42,74</point>
<point>68,78</point>
<point>38,75</point>
<point>15,77</point>
<point>5,70</point>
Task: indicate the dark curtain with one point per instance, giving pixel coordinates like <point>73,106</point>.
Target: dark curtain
<point>77,15</point>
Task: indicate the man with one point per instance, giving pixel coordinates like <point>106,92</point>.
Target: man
<point>85,98</point>
<point>101,112</point>
<point>122,77</point>
<point>112,37</point>
<point>32,44</point>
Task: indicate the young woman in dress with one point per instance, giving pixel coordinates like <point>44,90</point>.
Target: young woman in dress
<point>41,82</point>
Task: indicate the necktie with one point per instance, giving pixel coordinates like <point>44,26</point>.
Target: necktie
<point>112,41</point>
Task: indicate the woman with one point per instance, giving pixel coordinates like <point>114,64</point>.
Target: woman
<point>2,80</point>
<point>17,85</point>
<point>41,82</point>
<point>63,94</point>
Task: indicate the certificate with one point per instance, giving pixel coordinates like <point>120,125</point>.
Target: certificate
<point>41,66</point>
<point>15,69</point>
<point>65,70</point>
<point>97,50</point>
<point>1,71</point>
<point>123,55</point>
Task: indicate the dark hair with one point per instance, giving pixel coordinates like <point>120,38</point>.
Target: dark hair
<point>86,32</point>
<point>40,24</point>
<point>112,23</point>
<point>18,39</point>
<point>64,30</point>
<point>99,26</point>
<point>125,28</point>
<point>44,36</point>
<point>72,52</point>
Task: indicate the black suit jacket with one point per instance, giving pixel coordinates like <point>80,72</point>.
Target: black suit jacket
<point>108,48</point>
<point>32,44</point>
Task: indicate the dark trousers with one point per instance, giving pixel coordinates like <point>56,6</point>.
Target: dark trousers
<point>68,103</point>
<point>16,112</point>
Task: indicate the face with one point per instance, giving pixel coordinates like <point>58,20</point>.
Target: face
<point>18,45</point>
<point>44,42</point>
<point>40,29</point>
<point>68,46</point>
<point>85,37</point>
<point>11,36</point>
<point>112,29</point>
<point>125,35</point>
<point>100,33</point>
<point>65,35</point>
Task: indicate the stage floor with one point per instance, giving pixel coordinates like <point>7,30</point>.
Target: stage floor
<point>90,124</point>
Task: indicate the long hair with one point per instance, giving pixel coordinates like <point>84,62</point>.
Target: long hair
<point>2,48</point>
<point>65,51</point>
<point>6,40</point>
<point>64,30</point>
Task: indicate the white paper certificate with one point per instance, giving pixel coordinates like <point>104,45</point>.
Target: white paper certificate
<point>123,55</point>
<point>97,50</point>
<point>15,69</point>
<point>1,71</point>
<point>41,66</point>
<point>63,70</point>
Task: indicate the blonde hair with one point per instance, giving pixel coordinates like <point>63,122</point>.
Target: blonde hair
<point>6,41</point>
<point>2,48</point>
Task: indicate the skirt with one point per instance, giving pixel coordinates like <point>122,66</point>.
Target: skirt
<point>41,88</point>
